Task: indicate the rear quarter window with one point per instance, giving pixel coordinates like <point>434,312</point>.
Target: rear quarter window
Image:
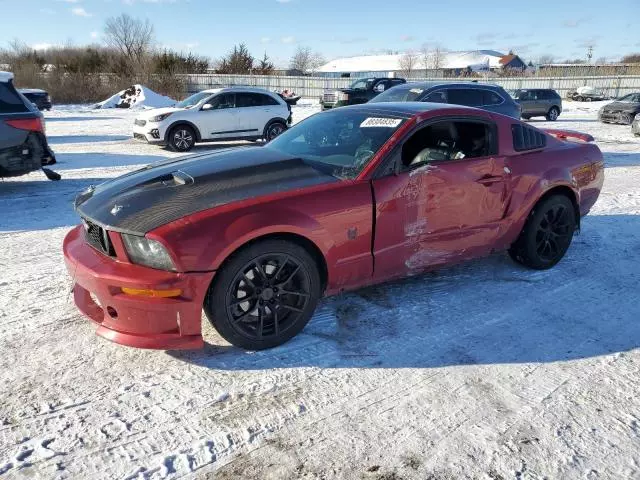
<point>491,98</point>
<point>10,101</point>
<point>527,138</point>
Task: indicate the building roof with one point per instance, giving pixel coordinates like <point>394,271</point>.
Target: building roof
<point>507,59</point>
<point>476,59</point>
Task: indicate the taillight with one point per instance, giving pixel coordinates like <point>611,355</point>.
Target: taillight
<point>30,124</point>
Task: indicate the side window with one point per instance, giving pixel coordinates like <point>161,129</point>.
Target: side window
<point>527,138</point>
<point>248,100</point>
<point>471,97</point>
<point>491,98</point>
<point>449,140</point>
<point>381,86</point>
<point>222,101</point>
<point>266,100</point>
<point>439,96</point>
<point>526,95</point>
<point>10,101</point>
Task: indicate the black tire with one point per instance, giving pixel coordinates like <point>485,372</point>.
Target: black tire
<point>526,117</point>
<point>579,98</point>
<point>269,317</point>
<point>273,129</point>
<point>182,138</point>
<point>626,118</point>
<point>553,114</point>
<point>547,234</point>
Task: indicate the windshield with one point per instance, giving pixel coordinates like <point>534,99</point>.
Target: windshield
<point>404,93</point>
<point>193,100</point>
<point>362,84</point>
<point>632,97</point>
<point>340,143</point>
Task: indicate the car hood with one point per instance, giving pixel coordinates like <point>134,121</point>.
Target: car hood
<point>166,191</point>
<point>158,111</point>
<point>623,106</point>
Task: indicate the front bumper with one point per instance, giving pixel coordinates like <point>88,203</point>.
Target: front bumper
<point>135,321</point>
<point>149,133</point>
<point>624,118</point>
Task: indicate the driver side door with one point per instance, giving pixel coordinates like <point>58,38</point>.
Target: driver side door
<point>218,117</point>
<point>442,206</point>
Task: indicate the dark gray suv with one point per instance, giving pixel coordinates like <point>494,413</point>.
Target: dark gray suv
<point>481,95</point>
<point>539,102</point>
<point>23,145</point>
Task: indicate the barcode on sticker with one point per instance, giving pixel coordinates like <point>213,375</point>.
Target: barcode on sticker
<point>381,122</point>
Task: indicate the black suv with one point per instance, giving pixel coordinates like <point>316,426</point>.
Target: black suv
<point>539,102</point>
<point>360,91</point>
<point>23,145</point>
<point>472,94</point>
<point>40,98</point>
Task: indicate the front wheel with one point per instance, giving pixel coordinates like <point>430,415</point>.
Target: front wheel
<point>626,119</point>
<point>272,130</point>
<point>553,114</point>
<point>547,234</point>
<point>182,138</point>
<point>264,295</point>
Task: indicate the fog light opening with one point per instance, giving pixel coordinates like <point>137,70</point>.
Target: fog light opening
<point>112,312</point>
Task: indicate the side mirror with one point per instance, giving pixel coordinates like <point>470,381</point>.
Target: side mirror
<point>207,106</point>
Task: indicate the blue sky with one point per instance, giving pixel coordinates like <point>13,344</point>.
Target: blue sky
<point>342,28</point>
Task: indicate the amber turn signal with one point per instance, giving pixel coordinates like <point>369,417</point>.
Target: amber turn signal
<point>176,292</point>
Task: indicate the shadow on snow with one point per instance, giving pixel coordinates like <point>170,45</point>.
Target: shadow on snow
<point>488,311</point>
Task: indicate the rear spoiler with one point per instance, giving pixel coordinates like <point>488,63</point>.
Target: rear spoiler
<point>569,135</point>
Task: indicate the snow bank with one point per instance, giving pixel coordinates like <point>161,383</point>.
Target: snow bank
<point>6,76</point>
<point>136,96</point>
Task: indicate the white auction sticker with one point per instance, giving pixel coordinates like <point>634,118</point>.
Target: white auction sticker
<point>416,90</point>
<point>381,122</point>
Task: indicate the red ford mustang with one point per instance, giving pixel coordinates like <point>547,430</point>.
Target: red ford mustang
<point>347,198</point>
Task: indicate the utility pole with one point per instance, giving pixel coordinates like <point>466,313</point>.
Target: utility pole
<point>589,53</point>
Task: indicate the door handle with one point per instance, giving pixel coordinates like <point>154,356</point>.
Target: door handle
<point>490,179</point>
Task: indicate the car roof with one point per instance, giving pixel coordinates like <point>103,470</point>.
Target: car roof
<point>235,88</point>
<point>6,76</point>
<point>432,84</point>
<point>405,109</point>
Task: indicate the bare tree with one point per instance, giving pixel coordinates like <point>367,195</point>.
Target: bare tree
<point>546,59</point>
<point>408,63</point>
<point>130,36</point>
<point>306,60</point>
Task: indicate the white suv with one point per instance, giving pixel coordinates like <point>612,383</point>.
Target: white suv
<point>235,113</point>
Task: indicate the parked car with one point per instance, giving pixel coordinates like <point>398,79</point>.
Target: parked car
<point>486,96</point>
<point>360,91</point>
<point>234,113</point>
<point>256,236</point>
<point>586,94</point>
<point>635,126</point>
<point>623,110</point>
<point>23,144</point>
<point>538,102</point>
<point>40,98</point>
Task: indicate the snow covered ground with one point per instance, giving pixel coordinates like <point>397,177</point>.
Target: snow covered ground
<point>485,370</point>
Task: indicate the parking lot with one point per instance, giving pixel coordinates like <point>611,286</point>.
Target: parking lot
<point>484,370</point>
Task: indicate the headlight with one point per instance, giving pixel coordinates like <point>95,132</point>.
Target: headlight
<point>637,116</point>
<point>144,251</point>
<point>159,118</point>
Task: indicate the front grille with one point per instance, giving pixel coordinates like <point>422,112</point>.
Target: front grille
<point>98,238</point>
<point>140,123</point>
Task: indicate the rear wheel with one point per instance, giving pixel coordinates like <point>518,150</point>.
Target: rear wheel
<point>182,138</point>
<point>553,114</point>
<point>579,98</point>
<point>547,233</point>
<point>264,295</point>
<point>626,118</point>
<point>272,130</point>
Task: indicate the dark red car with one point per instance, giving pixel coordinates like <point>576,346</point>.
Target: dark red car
<point>347,198</point>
